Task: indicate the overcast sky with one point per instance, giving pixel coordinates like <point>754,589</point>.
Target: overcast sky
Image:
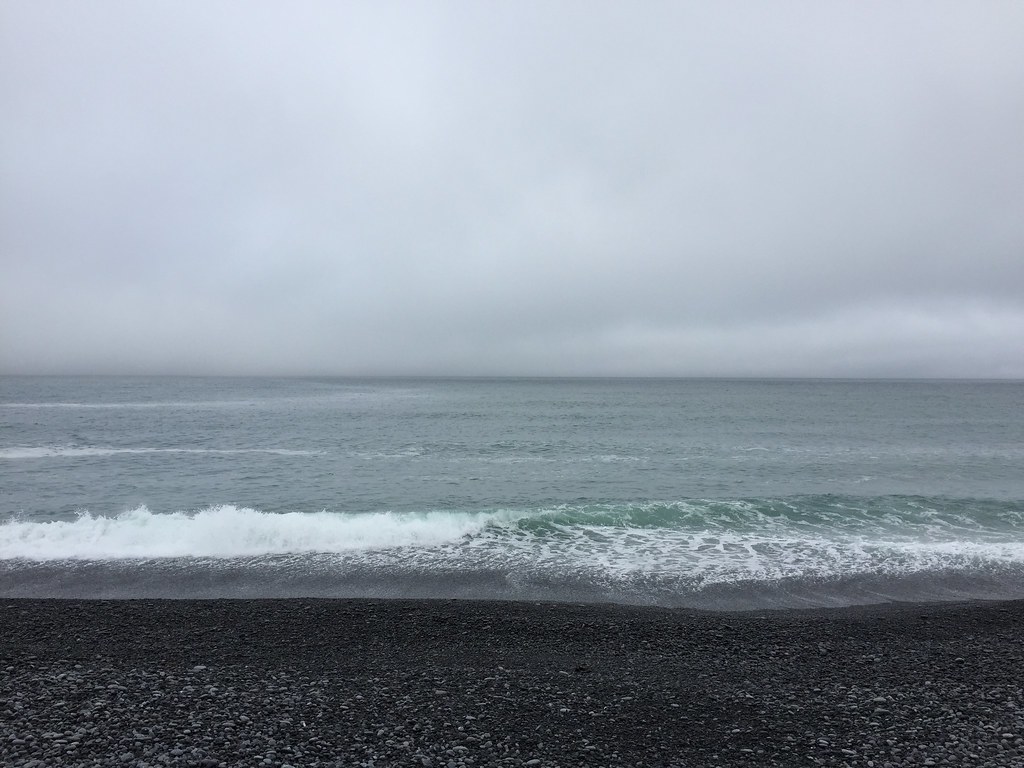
<point>682,188</point>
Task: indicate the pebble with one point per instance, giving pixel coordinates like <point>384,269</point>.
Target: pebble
<point>377,684</point>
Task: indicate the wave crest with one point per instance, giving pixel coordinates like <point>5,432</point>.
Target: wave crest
<point>663,545</point>
<point>229,531</point>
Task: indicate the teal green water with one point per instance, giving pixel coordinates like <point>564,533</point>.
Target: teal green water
<point>682,492</point>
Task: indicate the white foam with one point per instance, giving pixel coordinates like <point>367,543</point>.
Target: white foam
<point>63,451</point>
<point>742,542</point>
<point>607,553</point>
<point>229,531</point>
<point>192,404</point>
<point>601,549</point>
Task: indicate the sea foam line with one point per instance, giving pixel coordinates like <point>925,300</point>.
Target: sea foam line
<point>61,451</point>
<point>191,404</point>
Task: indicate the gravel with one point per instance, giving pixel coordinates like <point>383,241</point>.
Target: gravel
<point>445,684</point>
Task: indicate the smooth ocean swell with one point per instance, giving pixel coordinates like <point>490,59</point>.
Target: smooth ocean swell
<point>811,550</point>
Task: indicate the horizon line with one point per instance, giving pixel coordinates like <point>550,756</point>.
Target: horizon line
<point>524,376</point>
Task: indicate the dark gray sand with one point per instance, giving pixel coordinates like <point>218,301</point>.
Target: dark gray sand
<point>453,683</point>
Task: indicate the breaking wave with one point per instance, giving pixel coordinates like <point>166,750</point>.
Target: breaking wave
<point>228,532</point>
<point>667,553</point>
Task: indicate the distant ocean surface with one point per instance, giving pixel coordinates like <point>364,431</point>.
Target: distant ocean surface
<point>722,494</point>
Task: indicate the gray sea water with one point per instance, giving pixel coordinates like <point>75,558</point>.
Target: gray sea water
<point>706,493</point>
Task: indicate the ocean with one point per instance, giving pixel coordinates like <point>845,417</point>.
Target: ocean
<point>716,494</point>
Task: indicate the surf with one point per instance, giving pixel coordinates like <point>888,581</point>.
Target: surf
<point>813,550</point>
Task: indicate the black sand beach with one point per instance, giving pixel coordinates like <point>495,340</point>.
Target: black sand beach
<point>453,683</point>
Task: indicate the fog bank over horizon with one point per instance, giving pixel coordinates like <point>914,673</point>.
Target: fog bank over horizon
<point>553,189</point>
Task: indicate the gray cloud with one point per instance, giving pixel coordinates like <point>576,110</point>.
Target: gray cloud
<point>535,188</point>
